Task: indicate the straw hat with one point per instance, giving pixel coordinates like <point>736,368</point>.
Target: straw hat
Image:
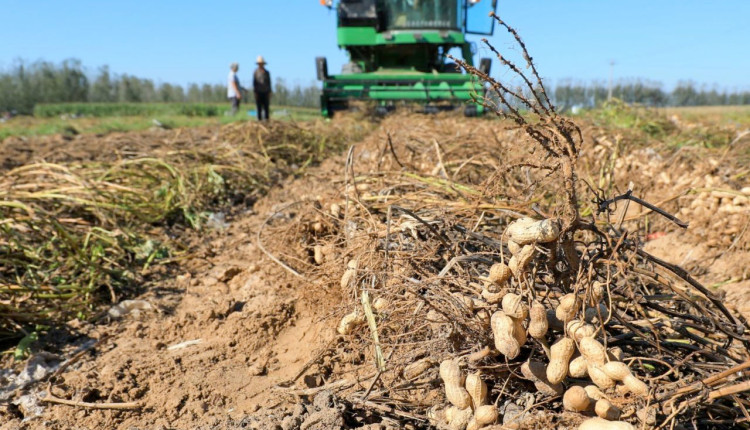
<point>260,60</point>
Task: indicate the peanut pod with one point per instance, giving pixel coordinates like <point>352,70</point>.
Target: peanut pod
<point>602,424</point>
<point>615,354</point>
<point>514,307</point>
<point>349,322</point>
<point>513,247</point>
<point>578,329</point>
<point>594,392</point>
<point>484,317</point>
<point>597,293</point>
<point>458,418</point>
<point>493,297</point>
<point>576,399</point>
<point>483,415</point>
<point>539,325</point>
<point>509,334</point>
<point>600,378</point>
<point>528,230</point>
<point>519,261</point>
<point>592,350</point>
<point>454,380</point>
<point>465,301</point>
<point>605,409</point>
<point>380,304</point>
<point>349,273</point>
<point>436,415</point>
<point>537,373</point>
<point>560,353</point>
<point>335,210</point>
<point>567,308</point>
<point>318,254</point>
<point>499,274</point>
<point>578,368</point>
<point>620,371</point>
<point>477,390</point>
<point>414,370</point>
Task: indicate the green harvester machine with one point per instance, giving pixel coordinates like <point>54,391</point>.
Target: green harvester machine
<point>398,54</point>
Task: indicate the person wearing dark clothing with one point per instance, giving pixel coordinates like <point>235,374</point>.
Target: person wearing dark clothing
<point>262,89</point>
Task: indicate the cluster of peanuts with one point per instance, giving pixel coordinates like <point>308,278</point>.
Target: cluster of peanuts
<point>717,208</point>
<point>468,397</point>
<point>515,322</point>
<point>355,318</point>
<point>576,352</point>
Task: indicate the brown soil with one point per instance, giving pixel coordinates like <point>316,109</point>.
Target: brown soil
<point>233,341</point>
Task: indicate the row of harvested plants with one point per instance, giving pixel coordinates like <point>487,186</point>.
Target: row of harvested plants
<point>77,234</point>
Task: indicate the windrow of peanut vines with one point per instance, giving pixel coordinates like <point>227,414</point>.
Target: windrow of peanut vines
<point>76,234</point>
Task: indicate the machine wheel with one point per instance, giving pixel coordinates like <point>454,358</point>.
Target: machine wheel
<point>334,106</point>
<point>381,111</point>
<point>471,111</point>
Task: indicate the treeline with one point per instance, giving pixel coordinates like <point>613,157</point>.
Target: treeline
<point>24,85</point>
<point>569,94</point>
<point>296,95</point>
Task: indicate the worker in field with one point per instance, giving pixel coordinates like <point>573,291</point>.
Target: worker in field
<point>262,88</point>
<point>234,90</point>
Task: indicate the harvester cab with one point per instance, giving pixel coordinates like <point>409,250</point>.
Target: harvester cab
<point>398,54</point>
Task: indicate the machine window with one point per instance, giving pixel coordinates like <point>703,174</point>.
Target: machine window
<point>412,14</point>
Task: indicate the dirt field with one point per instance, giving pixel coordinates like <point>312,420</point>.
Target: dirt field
<point>235,340</point>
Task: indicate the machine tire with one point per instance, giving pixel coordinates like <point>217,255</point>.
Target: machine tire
<point>381,111</point>
<point>325,107</point>
<point>471,111</point>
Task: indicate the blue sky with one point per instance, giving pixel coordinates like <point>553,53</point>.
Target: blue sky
<point>194,41</point>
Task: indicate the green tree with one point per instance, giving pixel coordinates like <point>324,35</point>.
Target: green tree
<point>219,93</point>
<point>170,93</point>
<point>207,94</point>
<point>72,82</point>
<point>194,94</point>
<point>102,88</point>
<point>684,94</point>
